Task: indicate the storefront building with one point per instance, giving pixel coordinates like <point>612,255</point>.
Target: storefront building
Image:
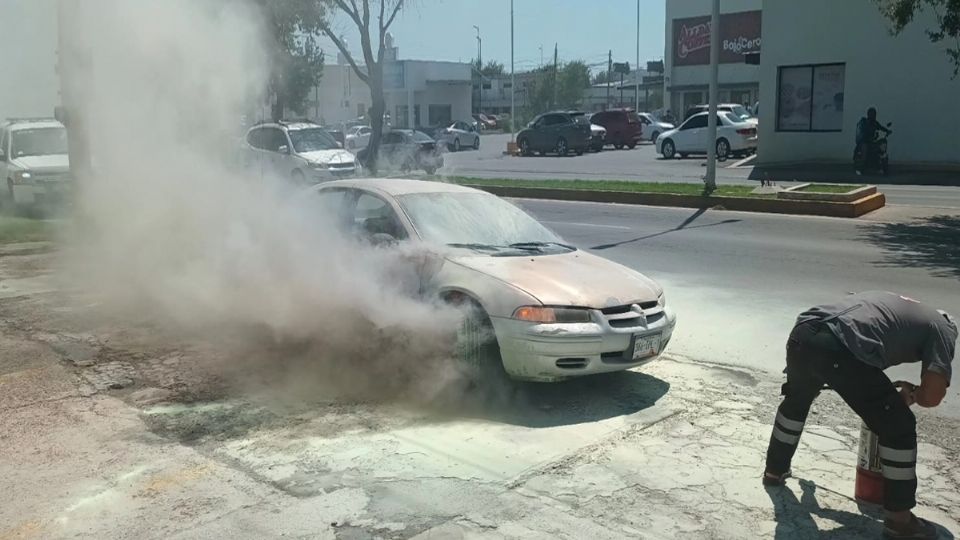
<point>687,53</point>
<point>825,62</point>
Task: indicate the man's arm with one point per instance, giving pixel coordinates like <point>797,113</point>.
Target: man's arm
<point>932,389</point>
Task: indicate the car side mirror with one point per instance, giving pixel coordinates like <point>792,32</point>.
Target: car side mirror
<point>284,149</point>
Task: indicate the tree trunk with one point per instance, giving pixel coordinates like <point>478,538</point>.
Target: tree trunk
<point>276,110</point>
<point>377,108</point>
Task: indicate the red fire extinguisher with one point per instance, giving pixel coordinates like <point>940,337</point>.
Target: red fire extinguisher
<point>869,484</point>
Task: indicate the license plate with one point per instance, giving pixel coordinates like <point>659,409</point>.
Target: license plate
<point>646,346</point>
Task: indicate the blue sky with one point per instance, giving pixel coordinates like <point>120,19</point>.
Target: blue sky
<point>583,29</point>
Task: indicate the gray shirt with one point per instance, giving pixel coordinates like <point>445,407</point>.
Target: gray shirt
<point>884,329</point>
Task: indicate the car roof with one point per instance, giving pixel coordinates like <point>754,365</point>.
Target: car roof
<point>399,186</point>
<point>16,124</point>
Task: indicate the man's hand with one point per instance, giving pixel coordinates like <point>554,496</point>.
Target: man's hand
<point>933,387</point>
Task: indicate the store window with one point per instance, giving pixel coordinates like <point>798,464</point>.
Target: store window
<point>810,98</point>
<point>440,115</point>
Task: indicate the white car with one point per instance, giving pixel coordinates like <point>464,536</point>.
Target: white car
<point>301,151</point>
<point>733,137</point>
<point>458,135</point>
<point>34,162</point>
<point>598,137</point>
<point>357,137</point>
<point>652,127</point>
<point>540,310</point>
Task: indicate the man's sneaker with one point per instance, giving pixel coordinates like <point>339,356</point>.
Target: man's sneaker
<point>915,529</point>
<point>774,479</point>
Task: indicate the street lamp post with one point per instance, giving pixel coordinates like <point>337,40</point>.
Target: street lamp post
<point>513,87</point>
<point>479,70</point>
<point>636,88</point>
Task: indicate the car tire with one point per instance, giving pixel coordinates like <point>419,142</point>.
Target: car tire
<point>654,137</point>
<point>298,177</point>
<point>478,349</point>
<point>618,146</point>
<point>632,145</point>
<point>456,144</point>
<point>476,143</point>
<point>723,149</point>
<point>525,150</point>
<point>580,152</point>
<point>561,147</point>
<point>668,149</point>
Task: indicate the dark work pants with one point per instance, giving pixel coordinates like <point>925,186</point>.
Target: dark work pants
<point>814,358</point>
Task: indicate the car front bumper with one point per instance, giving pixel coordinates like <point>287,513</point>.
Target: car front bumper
<point>553,352</point>
<point>39,191</point>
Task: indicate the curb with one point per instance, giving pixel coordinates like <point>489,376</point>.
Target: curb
<point>850,209</point>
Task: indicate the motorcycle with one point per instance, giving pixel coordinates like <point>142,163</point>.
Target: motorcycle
<point>871,156</point>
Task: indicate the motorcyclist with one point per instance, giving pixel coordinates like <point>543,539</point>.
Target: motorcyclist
<point>867,129</point>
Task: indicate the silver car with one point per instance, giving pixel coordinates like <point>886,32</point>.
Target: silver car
<point>458,135</point>
<point>301,151</point>
<point>541,310</point>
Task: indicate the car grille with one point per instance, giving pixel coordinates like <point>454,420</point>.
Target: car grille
<point>633,315</point>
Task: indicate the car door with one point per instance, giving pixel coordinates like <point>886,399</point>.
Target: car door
<point>553,124</point>
<point>692,134</point>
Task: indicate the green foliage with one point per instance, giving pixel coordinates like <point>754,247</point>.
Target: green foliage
<point>557,89</point>
<point>296,58</point>
<point>490,69</point>
<point>947,12</point>
<point>603,77</point>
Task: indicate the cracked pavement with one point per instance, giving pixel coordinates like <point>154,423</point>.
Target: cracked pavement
<point>113,428</point>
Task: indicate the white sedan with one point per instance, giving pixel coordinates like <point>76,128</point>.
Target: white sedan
<point>357,137</point>
<point>538,309</point>
<point>652,127</point>
<point>733,137</point>
<point>458,135</point>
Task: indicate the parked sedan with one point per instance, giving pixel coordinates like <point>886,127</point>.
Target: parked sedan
<point>358,137</point>
<point>407,150</point>
<point>538,309</point>
<point>558,132</point>
<point>733,137</point>
<point>653,127</point>
<point>458,135</point>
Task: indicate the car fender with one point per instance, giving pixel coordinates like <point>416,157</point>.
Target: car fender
<point>498,298</point>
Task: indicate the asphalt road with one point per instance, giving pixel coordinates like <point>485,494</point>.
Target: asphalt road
<point>643,164</point>
<point>738,280</point>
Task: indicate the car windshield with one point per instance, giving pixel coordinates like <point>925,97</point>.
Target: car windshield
<point>741,112</point>
<point>311,140</point>
<point>421,137</point>
<point>476,220</point>
<point>39,142</point>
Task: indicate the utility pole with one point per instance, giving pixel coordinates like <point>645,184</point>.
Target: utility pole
<point>479,70</point>
<point>636,88</point>
<point>513,84</point>
<point>609,73</point>
<point>711,178</point>
<point>556,78</point>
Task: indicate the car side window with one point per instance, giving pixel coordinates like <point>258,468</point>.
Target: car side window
<point>255,138</point>
<point>393,138</point>
<point>335,204</point>
<point>3,145</point>
<point>372,215</point>
<point>695,122</point>
<point>275,138</point>
<point>552,120</point>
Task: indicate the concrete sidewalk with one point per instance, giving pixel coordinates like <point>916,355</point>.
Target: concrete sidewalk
<point>685,463</point>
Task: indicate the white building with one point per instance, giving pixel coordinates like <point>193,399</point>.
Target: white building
<point>418,93</point>
<point>827,61</point>
<point>29,85</point>
<point>687,53</point>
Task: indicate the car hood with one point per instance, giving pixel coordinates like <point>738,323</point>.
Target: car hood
<point>664,125</point>
<point>328,156</point>
<point>570,279</point>
<point>51,163</point>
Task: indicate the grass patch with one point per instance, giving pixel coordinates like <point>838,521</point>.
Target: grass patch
<point>615,185</point>
<point>18,229</point>
<point>829,188</point>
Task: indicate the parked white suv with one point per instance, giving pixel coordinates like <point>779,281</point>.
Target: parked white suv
<point>34,163</point>
<point>301,151</point>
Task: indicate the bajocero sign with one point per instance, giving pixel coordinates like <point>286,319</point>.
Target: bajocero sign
<point>739,34</point>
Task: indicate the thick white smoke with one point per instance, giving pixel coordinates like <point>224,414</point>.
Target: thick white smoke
<point>170,222</point>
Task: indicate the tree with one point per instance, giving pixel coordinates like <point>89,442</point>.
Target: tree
<point>373,48</point>
<point>296,59</point>
<point>947,12</point>
<point>602,78</point>
<point>561,89</point>
<point>492,69</point>
<point>574,78</point>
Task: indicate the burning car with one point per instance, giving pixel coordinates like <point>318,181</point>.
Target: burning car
<point>539,309</point>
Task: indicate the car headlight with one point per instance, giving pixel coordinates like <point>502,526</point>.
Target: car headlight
<point>541,314</point>
<point>20,176</point>
<point>662,299</point>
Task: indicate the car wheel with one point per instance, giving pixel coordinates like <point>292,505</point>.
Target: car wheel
<point>476,143</point>
<point>477,347</point>
<point>655,136</point>
<point>668,149</point>
<point>298,177</point>
<point>561,147</point>
<point>580,152</point>
<point>723,150</point>
<point>618,146</point>
<point>456,145</point>
<point>632,145</point>
<point>525,148</point>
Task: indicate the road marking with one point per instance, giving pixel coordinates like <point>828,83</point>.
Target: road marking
<point>620,227</point>
<point>743,161</point>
